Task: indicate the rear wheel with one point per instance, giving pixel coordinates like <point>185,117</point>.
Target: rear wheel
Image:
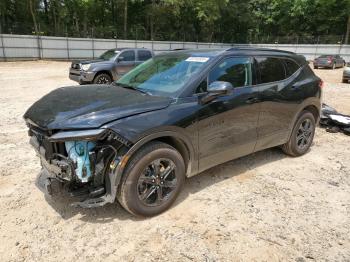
<point>152,180</point>
<point>302,135</point>
<point>102,79</point>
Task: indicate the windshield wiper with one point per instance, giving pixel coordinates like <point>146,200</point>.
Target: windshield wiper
<point>131,87</point>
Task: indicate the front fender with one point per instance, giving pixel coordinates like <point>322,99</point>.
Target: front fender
<point>173,132</point>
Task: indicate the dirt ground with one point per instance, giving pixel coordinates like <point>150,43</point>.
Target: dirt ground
<point>263,207</point>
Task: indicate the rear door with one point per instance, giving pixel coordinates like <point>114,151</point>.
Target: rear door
<point>142,56</point>
<point>280,94</point>
<point>227,126</point>
<point>125,62</point>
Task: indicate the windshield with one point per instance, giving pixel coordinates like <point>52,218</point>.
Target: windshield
<point>109,55</point>
<point>166,74</point>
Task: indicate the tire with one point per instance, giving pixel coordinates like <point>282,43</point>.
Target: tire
<point>140,180</point>
<point>296,145</point>
<point>345,81</point>
<point>102,78</point>
<point>315,67</point>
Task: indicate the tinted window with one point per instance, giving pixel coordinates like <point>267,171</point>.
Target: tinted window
<point>271,69</point>
<point>144,55</point>
<point>128,55</point>
<point>109,55</point>
<point>237,71</point>
<point>291,66</point>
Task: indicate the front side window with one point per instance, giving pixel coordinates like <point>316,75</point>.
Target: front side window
<point>271,69</point>
<point>236,70</point>
<point>128,56</point>
<point>144,55</point>
<point>165,74</point>
<point>109,55</point>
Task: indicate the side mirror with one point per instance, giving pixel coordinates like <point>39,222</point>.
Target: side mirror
<point>120,59</point>
<point>217,88</point>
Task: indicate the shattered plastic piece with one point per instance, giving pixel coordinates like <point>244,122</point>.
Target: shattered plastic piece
<point>341,119</point>
<point>333,121</point>
<point>333,129</point>
<point>347,131</point>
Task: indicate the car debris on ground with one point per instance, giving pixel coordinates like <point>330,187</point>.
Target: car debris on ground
<point>334,121</point>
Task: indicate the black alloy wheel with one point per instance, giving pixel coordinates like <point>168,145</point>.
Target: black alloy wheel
<point>304,134</point>
<point>157,182</point>
<point>152,179</point>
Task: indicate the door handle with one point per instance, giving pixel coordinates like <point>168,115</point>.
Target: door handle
<point>252,100</point>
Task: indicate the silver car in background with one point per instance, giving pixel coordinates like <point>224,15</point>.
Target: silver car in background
<point>110,66</point>
<point>329,61</point>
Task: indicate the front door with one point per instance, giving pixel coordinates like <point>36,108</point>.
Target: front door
<point>125,62</point>
<point>227,126</point>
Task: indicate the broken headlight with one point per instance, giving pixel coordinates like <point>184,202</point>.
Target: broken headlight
<point>92,134</point>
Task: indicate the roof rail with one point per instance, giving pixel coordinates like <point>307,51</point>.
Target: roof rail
<point>257,49</point>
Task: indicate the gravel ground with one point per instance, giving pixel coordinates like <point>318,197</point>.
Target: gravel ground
<point>263,207</point>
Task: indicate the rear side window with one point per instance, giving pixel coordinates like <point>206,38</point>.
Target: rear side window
<point>271,69</point>
<point>236,70</point>
<point>291,66</point>
<point>144,55</point>
<point>128,56</point>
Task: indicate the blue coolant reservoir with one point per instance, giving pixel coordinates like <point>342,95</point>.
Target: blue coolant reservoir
<point>78,152</point>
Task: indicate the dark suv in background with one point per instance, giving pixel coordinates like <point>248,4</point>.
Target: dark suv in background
<point>109,67</point>
<point>329,61</point>
<point>171,117</point>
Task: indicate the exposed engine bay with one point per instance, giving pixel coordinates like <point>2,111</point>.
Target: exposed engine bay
<point>85,168</point>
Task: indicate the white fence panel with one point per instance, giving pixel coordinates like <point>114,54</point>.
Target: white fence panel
<point>144,44</point>
<point>104,44</point>
<point>47,47</point>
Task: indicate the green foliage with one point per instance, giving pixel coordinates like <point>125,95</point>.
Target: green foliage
<point>190,20</point>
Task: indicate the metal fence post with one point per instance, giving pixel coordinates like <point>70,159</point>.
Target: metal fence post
<point>3,47</point>
<point>316,49</point>
<point>67,40</point>
<point>39,47</point>
<point>93,48</point>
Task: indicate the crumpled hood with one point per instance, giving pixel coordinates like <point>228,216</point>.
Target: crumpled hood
<point>90,106</point>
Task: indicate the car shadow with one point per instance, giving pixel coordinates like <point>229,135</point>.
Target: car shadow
<point>235,168</point>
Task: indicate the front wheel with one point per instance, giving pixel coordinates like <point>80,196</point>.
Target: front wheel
<point>152,180</point>
<point>103,78</point>
<point>302,135</point>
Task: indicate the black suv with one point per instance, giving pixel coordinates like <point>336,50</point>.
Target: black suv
<point>110,66</point>
<point>171,117</point>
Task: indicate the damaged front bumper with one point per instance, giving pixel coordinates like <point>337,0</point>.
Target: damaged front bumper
<point>82,164</point>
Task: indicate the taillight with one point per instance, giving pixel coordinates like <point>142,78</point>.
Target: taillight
<point>321,84</point>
